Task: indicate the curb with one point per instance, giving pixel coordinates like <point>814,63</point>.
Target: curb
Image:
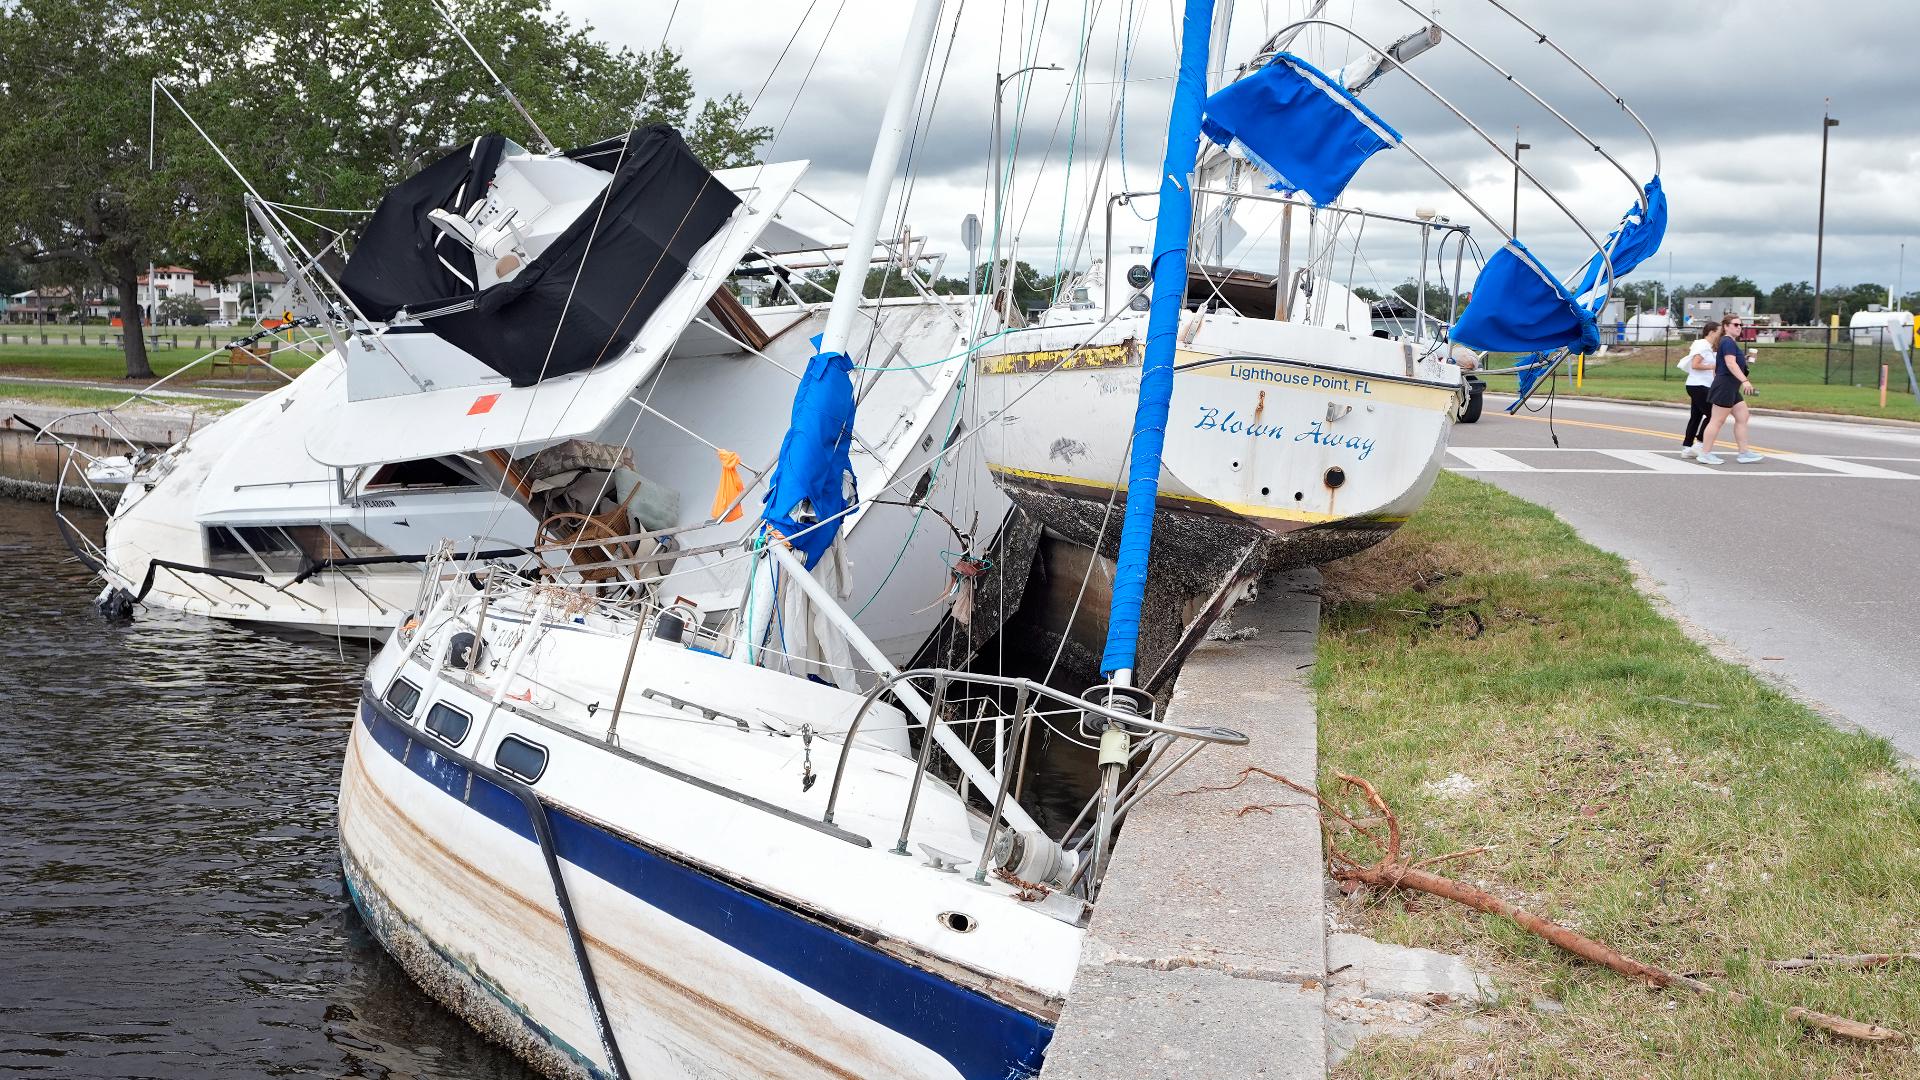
<point>1791,414</point>
<point>1207,955</point>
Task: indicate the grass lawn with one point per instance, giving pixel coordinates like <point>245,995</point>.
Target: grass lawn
<point>107,362</point>
<point>87,398</point>
<point>1632,786</point>
<point>1787,377</point>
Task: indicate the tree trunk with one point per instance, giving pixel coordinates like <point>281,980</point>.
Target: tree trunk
<point>132,342</point>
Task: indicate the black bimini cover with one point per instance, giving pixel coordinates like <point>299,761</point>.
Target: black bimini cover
<point>661,206</point>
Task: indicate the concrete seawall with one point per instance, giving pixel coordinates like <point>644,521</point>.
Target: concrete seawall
<point>30,467</point>
<point>1207,954</point>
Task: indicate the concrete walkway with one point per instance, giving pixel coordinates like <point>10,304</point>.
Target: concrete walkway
<point>1207,954</point>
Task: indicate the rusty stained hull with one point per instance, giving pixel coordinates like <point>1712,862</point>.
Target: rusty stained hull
<point>1311,443</point>
<point>466,906</point>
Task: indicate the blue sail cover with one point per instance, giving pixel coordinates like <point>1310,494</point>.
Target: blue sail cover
<point>811,477</point>
<point>1163,327</point>
<point>1638,237</point>
<point>1298,125</point>
<point>1517,306</point>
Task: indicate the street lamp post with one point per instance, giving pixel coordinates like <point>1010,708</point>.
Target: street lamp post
<point>1517,147</point>
<point>993,274</point>
<point>1827,123</point>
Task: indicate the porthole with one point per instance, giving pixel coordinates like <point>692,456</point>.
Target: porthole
<point>1336,476</point>
<point>449,723</point>
<point>1266,491</point>
<point>958,921</point>
<point>403,696</point>
<point>1299,495</point>
<point>520,759</point>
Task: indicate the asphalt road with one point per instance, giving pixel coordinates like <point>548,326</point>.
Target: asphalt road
<point>1808,562</point>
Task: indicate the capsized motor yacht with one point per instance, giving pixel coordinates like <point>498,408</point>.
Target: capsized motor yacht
<point>313,506</point>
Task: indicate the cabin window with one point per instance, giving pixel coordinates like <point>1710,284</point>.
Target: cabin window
<point>324,542</point>
<point>403,696</point>
<point>316,542</point>
<point>449,723</point>
<point>421,474</point>
<point>253,549</point>
<point>358,543</point>
<point>520,759</point>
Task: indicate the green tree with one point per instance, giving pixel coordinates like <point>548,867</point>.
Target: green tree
<point>1792,301</point>
<point>180,311</point>
<point>1863,296</point>
<point>325,103</point>
<point>1437,297</point>
<point>1730,285</point>
<point>1643,295</point>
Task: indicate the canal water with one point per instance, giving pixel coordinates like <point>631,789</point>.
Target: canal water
<point>170,895</point>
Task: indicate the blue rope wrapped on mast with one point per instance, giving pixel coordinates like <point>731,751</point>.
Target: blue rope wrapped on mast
<point>1171,230</point>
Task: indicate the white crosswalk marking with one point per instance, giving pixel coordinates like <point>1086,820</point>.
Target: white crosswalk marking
<point>1656,461</point>
<point>1484,460</point>
<point>1847,468</point>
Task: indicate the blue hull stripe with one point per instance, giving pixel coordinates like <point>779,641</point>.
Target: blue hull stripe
<point>982,1038</point>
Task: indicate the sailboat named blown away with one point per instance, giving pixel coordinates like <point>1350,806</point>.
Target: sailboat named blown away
<point>1279,425</point>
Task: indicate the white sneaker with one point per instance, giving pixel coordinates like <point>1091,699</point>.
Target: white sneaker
<point>1689,452</point>
<point>1749,458</point>
<point>1711,459</point>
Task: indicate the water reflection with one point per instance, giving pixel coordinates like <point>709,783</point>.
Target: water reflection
<point>170,896</point>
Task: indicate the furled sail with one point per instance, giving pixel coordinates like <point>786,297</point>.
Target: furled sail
<point>812,483</point>
<point>1163,327</point>
<point>579,300</point>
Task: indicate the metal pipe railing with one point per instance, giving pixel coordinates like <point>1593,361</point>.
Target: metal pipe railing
<point>1025,691</point>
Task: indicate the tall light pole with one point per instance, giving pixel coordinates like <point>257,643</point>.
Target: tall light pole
<point>1517,147</point>
<point>993,274</point>
<point>1827,123</point>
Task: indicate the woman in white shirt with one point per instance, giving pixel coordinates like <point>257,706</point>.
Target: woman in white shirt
<point>1698,364</point>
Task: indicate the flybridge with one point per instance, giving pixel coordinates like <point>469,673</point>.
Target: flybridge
<point>417,391</point>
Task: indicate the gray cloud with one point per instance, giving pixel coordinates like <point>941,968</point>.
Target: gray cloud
<point>1732,91</point>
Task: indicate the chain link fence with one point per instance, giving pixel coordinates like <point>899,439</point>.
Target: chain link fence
<point>1843,356</point>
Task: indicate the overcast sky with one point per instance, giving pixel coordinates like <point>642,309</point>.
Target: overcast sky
<point>1733,92</point>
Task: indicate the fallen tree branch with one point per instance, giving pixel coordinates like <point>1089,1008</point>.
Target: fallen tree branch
<point>1392,871</point>
<point>1853,962</point>
<point>1861,960</point>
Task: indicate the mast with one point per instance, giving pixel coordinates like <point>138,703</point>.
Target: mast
<point>1171,230</point>
<point>886,157</point>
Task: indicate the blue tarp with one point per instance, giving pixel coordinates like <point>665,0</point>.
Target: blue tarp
<point>1639,235</point>
<point>1517,306</point>
<point>813,476</point>
<point>1298,125</point>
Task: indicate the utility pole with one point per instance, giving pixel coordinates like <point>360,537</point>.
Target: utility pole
<point>1827,123</point>
<point>994,276</point>
<point>1517,147</point>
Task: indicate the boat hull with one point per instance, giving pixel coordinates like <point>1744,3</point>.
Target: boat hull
<point>701,976</point>
<point>1308,460</point>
